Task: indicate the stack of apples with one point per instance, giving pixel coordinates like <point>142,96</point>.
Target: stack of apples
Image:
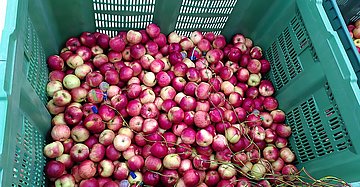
<point>155,110</point>
<point>354,29</point>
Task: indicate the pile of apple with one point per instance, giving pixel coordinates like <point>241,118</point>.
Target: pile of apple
<point>154,110</point>
<point>354,29</point>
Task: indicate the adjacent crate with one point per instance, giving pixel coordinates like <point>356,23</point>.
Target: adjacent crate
<point>315,81</point>
<point>348,11</point>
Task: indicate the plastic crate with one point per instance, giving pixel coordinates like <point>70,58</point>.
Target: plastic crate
<point>346,12</point>
<point>350,10</point>
<point>314,79</point>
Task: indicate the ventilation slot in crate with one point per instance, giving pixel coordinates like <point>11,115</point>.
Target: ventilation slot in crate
<point>35,62</point>
<point>112,15</point>
<point>336,123</point>
<point>301,34</point>
<point>207,16</point>
<point>28,153</point>
<point>317,126</point>
<point>321,140</point>
<point>355,17</point>
<point>289,53</point>
<point>284,53</point>
<point>302,143</point>
<point>277,75</point>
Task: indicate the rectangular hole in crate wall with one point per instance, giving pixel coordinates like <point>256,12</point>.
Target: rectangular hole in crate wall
<point>28,158</point>
<point>318,133</point>
<point>194,15</point>
<point>286,46</point>
<point>317,125</point>
<point>302,144</point>
<point>35,61</point>
<point>355,17</point>
<point>277,73</point>
<point>336,123</point>
<point>342,2</point>
<point>287,49</point>
<point>122,14</point>
<point>302,36</point>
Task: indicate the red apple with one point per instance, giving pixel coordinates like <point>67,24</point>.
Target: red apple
<point>278,164</point>
<point>257,133</point>
<point>121,142</point>
<point>278,116</point>
<point>265,66</point>
<point>84,52</point>
<point>60,132</point>
<point>133,37</point>
<point>283,130</point>
<point>126,54</point>
<point>87,169</point>
<point>150,126</point>
<point>281,142</point>
<point>94,78</point>
<point>74,60</point>
<point>61,98</point>
<point>117,44</point>
<point>150,178</point>
<point>55,62</point>
<point>68,144</point>
<point>256,52</point>
<point>238,38</point>
<point>103,40</point>
<point>111,153</point>
<point>92,182</point>
<point>254,66</point>
<point>153,30</point>
<point>97,152</point>
<point>213,56</point>
<point>169,177</point>
<point>289,171</point>
<point>152,163</point>
<point>88,39</point>
<point>159,150</point>
<point>54,149</point>
<point>287,155</point>
<point>54,169</point>
<point>121,171</point>
<point>135,163</point>
<point>234,54</point>
<point>106,137</point>
<point>79,133</point>
<point>79,152</point>
<point>133,108</point>
<point>73,115</point>
<point>72,43</point>
<point>270,136</point>
<point>271,153</point>
<point>171,161</point>
<point>226,171</point>
<point>201,162</point>
<point>65,180</point>
<point>204,45</point>
<point>56,75</point>
<point>94,123</point>
<point>203,138</point>
<point>191,177</point>
<point>219,42</point>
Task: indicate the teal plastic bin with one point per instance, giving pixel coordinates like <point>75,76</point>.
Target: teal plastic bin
<point>315,81</point>
<point>346,12</point>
